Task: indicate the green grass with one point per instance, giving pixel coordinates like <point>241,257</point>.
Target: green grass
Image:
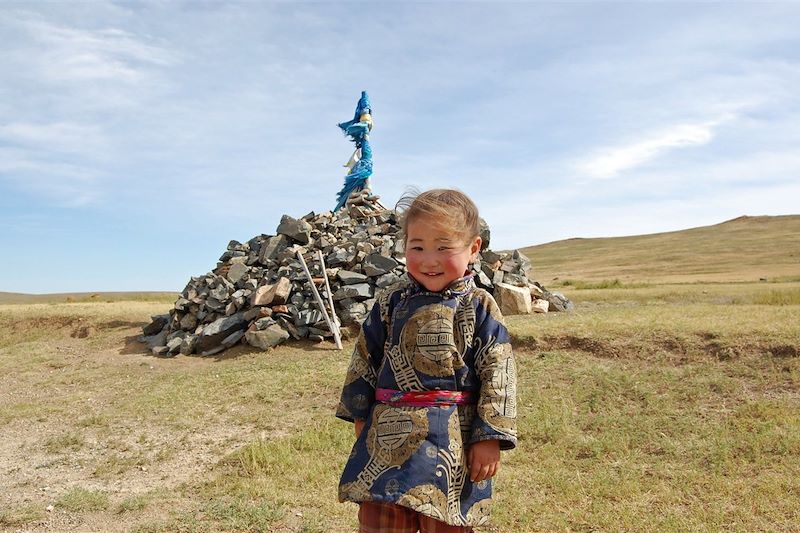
<point>93,420</point>
<point>273,484</point>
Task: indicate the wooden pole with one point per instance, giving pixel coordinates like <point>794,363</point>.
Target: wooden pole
<point>319,300</point>
<point>338,332</point>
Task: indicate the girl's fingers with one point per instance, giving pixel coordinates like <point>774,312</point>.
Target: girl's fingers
<point>482,473</point>
<point>474,471</point>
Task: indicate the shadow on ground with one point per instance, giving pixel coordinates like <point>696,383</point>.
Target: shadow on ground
<point>133,346</point>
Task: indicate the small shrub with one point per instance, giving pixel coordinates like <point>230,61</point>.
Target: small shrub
<point>64,443</point>
<point>79,499</point>
<point>134,503</point>
<point>21,516</point>
<point>117,464</point>
<point>92,421</point>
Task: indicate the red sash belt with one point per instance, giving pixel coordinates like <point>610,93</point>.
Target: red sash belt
<point>428,398</point>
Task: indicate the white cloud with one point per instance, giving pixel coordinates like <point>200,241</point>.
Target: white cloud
<point>55,136</point>
<point>611,161</point>
<point>72,54</point>
<point>63,183</point>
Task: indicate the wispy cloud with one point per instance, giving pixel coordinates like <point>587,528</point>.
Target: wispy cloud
<point>611,161</point>
<point>73,54</point>
<point>62,182</point>
<point>55,136</point>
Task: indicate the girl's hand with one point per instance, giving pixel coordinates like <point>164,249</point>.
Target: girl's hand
<point>484,460</point>
<point>359,426</point>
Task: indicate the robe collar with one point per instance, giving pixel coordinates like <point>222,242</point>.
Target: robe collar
<point>456,288</point>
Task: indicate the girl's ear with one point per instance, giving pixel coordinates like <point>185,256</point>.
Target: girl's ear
<point>474,248</point>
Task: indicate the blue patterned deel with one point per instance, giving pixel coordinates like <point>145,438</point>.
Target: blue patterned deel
<point>416,457</point>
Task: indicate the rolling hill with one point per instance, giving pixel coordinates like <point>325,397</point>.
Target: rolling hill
<point>748,248</point>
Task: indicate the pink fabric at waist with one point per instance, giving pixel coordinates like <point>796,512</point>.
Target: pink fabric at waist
<point>428,398</point>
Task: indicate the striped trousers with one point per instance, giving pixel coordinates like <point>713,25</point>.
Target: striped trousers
<point>378,517</point>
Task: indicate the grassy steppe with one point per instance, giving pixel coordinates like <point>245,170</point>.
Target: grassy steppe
<point>667,408</point>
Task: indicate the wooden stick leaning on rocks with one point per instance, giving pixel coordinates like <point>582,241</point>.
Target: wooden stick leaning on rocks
<point>320,303</point>
<point>336,322</point>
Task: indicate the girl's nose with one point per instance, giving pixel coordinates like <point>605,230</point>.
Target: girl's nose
<point>430,260</point>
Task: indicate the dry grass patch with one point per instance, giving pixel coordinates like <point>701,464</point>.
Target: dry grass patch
<point>22,515</point>
<point>67,442</point>
<point>83,500</point>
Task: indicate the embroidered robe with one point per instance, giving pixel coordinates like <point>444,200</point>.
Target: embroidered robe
<point>415,340</point>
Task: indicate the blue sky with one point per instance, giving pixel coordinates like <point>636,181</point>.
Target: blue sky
<point>137,139</point>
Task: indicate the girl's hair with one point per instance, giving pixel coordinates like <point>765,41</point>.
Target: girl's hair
<point>448,209</point>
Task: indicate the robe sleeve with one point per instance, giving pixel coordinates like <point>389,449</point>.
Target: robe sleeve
<point>358,392</point>
<point>496,417</point>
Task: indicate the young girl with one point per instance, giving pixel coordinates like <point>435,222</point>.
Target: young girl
<point>431,383</point>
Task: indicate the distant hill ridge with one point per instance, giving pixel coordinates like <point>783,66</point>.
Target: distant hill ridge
<point>746,248</point>
<point>84,297</point>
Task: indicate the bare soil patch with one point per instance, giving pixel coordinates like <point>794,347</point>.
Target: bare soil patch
<point>61,431</point>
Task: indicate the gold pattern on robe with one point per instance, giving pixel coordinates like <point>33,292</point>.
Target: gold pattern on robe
<point>453,465</point>
<point>478,514</point>
<point>355,491</point>
<point>427,339</point>
<point>487,302</point>
<point>359,364</point>
<point>464,328</point>
<point>425,499</point>
<point>396,433</point>
<point>497,405</point>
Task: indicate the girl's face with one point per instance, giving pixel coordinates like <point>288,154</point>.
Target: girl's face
<point>436,257</point>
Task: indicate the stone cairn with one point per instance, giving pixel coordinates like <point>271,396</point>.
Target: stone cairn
<point>259,293</point>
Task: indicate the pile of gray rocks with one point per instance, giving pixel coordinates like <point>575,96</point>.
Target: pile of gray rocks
<point>259,293</point>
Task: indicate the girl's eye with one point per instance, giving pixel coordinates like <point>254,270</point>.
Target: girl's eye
<point>417,248</point>
<point>444,248</point>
